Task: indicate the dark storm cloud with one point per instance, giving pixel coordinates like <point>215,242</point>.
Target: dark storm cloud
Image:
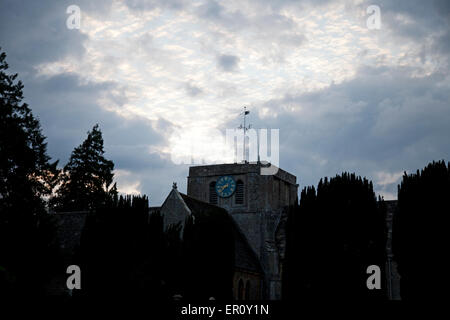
<point>425,22</point>
<point>33,32</point>
<point>227,62</point>
<point>68,109</point>
<point>384,120</point>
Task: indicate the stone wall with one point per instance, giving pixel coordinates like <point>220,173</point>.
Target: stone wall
<point>263,193</point>
<point>265,198</point>
<point>174,210</point>
<point>251,278</point>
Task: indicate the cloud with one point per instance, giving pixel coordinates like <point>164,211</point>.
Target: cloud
<point>424,25</point>
<point>35,32</point>
<point>192,90</point>
<point>386,184</point>
<point>386,178</point>
<point>140,5</point>
<point>230,17</point>
<point>228,63</point>
<point>67,109</point>
<point>345,98</point>
<point>384,120</point>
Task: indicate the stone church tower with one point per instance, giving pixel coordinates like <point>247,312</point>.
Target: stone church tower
<point>258,205</point>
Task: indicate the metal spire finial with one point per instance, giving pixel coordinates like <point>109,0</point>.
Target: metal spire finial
<point>245,128</point>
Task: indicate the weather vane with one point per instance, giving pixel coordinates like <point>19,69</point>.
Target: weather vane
<point>245,128</point>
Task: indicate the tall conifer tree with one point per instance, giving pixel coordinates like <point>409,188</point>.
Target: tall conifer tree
<point>333,236</point>
<point>87,177</point>
<point>420,234</point>
<point>26,176</point>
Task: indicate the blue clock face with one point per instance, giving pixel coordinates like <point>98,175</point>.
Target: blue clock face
<point>225,186</point>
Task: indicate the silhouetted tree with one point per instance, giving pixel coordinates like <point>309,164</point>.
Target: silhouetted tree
<point>420,234</point>
<point>121,251</point>
<point>87,177</point>
<point>26,176</point>
<point>208,256</point>
<point>125,252</point>
<point>333,236</point>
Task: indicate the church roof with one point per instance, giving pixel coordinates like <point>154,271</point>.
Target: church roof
<point>245,257</point>
<point>198,207</point>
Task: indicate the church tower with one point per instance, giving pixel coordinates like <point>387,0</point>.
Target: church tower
<point>258,205</point>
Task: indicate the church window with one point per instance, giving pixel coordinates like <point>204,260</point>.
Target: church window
<point>212,193</point>
<point>247,290</point>
<point>239,192</point>
<point>241,290</point>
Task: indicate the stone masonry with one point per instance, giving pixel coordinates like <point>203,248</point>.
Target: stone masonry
<point>261,216</point>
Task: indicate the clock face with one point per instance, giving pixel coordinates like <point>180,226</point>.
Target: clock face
<point>225,186</point>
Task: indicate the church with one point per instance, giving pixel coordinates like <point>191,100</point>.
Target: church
<point>256,204</point>
<point>253,204</point>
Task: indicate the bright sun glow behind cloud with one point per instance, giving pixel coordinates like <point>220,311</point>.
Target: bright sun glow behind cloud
<point>311,69</point>
<point>156,55</point>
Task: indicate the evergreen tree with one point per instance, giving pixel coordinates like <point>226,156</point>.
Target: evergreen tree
<point>420,234</point>
<point>25,171</point>
<point>333,236</point>
<point>26,176</point>
<point>125,253</point>
<point>87,177</point>
<point>207,256</point>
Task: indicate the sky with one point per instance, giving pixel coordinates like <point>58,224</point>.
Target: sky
<point>162,74</point>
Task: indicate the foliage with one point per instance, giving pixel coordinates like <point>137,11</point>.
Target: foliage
<point>126,253</point>
<point>26,176</point>
<point>333,236</point>
<point>208,257</point>
<point>420,231</point>
<point>87,177</point>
